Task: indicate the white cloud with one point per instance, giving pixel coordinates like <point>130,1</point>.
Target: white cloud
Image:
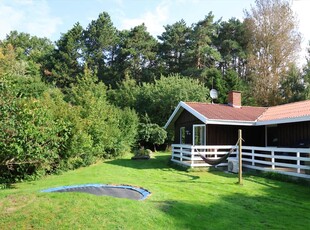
<point>153,20</point>
<point>29,16</point>
<point>9,18</point>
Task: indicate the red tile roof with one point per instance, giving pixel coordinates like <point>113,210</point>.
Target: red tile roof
<point>246,115</point>
<point>250,113</point>
<point>226,112</point>
<point>292,110</point>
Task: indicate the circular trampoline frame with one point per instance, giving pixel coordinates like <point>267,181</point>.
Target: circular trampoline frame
<point>126,188</point>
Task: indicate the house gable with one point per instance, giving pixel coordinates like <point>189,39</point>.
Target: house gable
<point>185,120</point>
<point>177,112</point>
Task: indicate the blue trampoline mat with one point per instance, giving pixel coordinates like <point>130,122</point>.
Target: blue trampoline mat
<point>120,191</point>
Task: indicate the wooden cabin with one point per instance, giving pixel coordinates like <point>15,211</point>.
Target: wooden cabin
<point>207,124</point>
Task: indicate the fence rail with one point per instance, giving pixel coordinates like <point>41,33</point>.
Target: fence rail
<point>289,161</point>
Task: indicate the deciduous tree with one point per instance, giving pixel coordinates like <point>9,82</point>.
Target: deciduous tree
<point>306,74</point>
<point>273,45</point>
<point>159,99</point>
<point>28,47</point>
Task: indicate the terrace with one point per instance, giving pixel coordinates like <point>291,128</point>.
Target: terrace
<point>289,161</point>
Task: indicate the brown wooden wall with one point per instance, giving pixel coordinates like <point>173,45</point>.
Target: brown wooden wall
<point>291,134</point>
<point>288,134</point>
<point>228,135</point>
<point>219,134</point>
<point>186,120</point>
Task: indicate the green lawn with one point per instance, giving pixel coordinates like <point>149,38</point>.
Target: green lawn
<point>179,200</point>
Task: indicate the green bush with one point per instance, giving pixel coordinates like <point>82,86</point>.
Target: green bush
<point>44,131</point>
<point>151,134</point>
<point>158,99</point>
<point>29,139</point>
<point>112,130</point>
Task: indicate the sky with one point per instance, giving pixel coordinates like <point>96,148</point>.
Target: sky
<point>51,18</point>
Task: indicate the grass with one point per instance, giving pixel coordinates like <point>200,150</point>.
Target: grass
<point>180,200</point>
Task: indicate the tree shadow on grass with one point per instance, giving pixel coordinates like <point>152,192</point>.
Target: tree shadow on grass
<point>265,178</point>
<point>158,162</point>
<point>6,185</point>
<point>238,211</point>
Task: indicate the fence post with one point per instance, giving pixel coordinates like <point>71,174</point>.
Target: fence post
<point>253,157</point>
<point>298,162</point>
<point>272,160</point>
<point>215,154</point>
<point>192,155</point>
<point>240,156</point>
<point>181,153</point>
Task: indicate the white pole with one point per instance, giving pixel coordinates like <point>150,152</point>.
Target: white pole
<point>240,156</point>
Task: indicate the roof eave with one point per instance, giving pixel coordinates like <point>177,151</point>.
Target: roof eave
<point>283,121</point>
<point>230,122</point>
<point>171,118</point>
<point>176,114</point>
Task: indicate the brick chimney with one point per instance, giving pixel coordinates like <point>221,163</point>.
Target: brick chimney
<point>234,99</point>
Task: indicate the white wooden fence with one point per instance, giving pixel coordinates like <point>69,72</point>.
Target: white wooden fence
<point>289,161</point>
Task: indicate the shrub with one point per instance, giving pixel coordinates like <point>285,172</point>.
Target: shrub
<point>151,134</point>
<point>42,131</point>
<point>29,139</point>
<point>112,130</point>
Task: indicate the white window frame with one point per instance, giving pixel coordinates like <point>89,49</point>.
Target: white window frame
<point>181,134</point>
<point>205,134</point>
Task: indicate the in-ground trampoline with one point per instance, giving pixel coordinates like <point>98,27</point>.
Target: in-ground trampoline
<point>120,191</point>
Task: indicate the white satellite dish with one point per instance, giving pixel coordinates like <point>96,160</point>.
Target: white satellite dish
<point>213,94</point>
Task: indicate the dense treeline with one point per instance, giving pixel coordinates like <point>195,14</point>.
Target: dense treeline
<point>98,92</point>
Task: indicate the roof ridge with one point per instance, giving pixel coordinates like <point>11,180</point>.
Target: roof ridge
<point>291,103</point>
<point>209,103</point>
<point>197,102</point>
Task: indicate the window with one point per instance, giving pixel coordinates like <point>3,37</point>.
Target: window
<point>182,135</point>
<point>199,134</point>
<point>271,135</point>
